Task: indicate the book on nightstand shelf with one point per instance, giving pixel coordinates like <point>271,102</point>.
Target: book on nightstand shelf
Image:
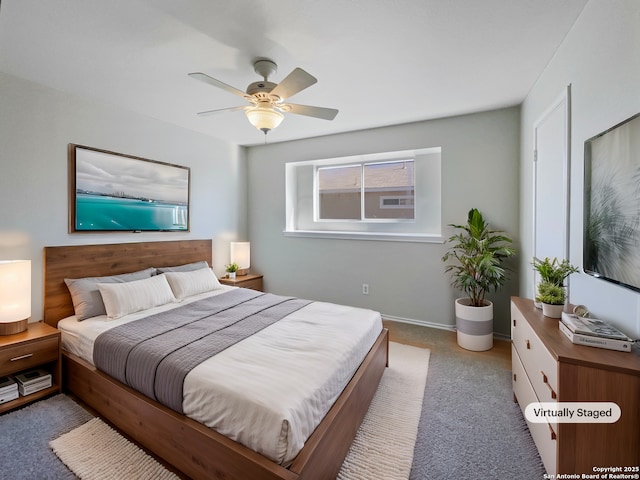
<point>8,389</point>
<point>7,383</point>
<point>33,381</point>
<point>595,341</point>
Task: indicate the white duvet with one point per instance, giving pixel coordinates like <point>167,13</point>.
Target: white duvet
<point>271,390</point>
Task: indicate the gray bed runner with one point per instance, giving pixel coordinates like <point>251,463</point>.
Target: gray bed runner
<point>153,355</point>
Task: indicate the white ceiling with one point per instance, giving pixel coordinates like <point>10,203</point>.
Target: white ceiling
<point>379,62</point>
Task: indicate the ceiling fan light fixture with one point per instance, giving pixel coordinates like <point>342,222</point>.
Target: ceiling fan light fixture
<point>264,118</point>
<point>268,99</point>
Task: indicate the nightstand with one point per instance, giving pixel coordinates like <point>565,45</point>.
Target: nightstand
<point>36,347</point>
<point>250,280</point>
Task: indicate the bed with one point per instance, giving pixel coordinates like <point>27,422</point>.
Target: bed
<point>191,447</point>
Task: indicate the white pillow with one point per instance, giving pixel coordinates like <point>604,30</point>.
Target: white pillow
<point>120,299</point>
<point>87,301</point>
<point>185,284</point>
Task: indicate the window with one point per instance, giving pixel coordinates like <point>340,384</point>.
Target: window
<point>339,193</point>
<point>391,195</point>
<point>381,191</point>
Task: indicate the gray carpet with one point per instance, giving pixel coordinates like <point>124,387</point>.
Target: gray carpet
<point>470,427</point>
<point>25,436</point>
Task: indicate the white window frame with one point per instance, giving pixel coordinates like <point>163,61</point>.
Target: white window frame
<point>301,219</point>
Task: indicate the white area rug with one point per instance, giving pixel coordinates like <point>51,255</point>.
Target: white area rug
<point>95,451</point>
<point>382,449</point>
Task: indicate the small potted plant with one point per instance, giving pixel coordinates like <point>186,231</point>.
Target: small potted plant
<point>554,272</point>
<point>474,259</point>
<point>552,297</point>
<point>232,268</point>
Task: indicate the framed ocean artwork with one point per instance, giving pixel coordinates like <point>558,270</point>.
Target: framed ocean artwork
<point>114,192</point>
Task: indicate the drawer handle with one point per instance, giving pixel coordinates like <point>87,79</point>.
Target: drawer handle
<point>553,434</point>
<point>22,357</point>
<point>514,378</point>
<point>528,345</point>
<point>546,382</point>
<point>514,322</point>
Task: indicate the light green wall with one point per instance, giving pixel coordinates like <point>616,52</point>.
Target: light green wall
<point>37,123</point>
<point>600,58</point>
<point>406,280</point>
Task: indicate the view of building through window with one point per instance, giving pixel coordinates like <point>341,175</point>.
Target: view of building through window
<point>340,192</point>
<point>367,191</point>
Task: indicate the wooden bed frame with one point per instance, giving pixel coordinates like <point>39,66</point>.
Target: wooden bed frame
<point>192,448</point>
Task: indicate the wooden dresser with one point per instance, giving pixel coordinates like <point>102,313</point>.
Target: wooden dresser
<point>547,367</point>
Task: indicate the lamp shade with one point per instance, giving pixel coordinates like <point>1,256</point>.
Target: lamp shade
<point>264,118</point>
<point>15,295</point>
<point>241,254</point>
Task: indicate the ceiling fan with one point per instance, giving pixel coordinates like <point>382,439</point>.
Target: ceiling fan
<point>267,99</point>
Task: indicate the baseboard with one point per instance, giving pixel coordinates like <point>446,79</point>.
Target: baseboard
<point>501,336</point>
<point>422,323</point>
<point>439,326</point>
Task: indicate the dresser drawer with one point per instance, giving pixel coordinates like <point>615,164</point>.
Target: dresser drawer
<point>539,364</point>
<point>544,434</point>
<point>28,354</point>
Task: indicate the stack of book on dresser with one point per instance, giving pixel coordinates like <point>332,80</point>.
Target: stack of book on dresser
<point>33,381</point>
<point>8,389</point>
<point>594,333</point>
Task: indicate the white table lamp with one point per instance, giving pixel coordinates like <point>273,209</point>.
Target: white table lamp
<point>15,296</point>
<point>241,254</point>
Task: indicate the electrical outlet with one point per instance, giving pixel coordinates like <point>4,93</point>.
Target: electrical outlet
<point>365,289</point>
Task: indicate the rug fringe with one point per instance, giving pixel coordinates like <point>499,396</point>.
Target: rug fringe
<point>95,451</point>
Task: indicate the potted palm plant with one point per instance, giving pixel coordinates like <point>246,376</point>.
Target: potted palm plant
<point>475,256</point>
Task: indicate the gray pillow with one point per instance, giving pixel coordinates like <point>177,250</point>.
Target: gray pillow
<point>87,301</point>
<point>187,267</point>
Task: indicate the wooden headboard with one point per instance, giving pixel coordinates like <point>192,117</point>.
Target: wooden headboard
<point>77,261</point>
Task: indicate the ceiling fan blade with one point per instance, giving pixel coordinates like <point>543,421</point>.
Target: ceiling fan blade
<point>217,83</point>
<point>219,110</point>
<point>293,83</point>
<point>309,111</point>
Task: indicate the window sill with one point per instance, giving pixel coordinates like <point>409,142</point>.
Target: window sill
<point>388,237</point>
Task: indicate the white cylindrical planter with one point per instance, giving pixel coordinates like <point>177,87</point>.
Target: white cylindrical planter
<point>552,311</point>
<point>474,325</point>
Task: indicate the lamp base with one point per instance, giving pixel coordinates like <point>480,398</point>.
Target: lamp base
<point>13,327</point>
<point>242,271</point>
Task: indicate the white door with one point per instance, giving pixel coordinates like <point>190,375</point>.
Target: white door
<point>551,182</point>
